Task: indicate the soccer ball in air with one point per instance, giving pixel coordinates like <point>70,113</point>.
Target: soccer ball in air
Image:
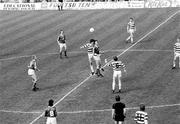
<point>91,29</point>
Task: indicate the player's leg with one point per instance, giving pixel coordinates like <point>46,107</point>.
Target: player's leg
<point>119,80</point>
<point>120,122</point>
<point>65,50</point>
<point>114,81</point>
<point>60,50</point>
<point>61,6</point>
<point>174,61</point>
<point>128,36</point>
<point>90,56</point>
<point>34,80</point>
<point>48,121</point>
<point>98,66</point>
<point>116,122</point>
<point>54,121</point>
<point>179,61</point>
<point>131,36</point>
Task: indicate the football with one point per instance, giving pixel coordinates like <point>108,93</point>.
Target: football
<point>91,29</point>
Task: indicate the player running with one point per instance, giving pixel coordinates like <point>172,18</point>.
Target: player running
<point>117,67</point>
<point>90,48</point>
<point>176,53</point>
<point>61,40</point>
<point>50,113</point>
<point>32,68</point>
<point>141,117</point>
<point>131,28</point>
<point>97,58</point>
<point>118,111</point>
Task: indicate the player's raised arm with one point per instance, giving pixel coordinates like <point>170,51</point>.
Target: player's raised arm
<point>84,46</point>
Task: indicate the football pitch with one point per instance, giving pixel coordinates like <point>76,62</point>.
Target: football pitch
<point>79,97</point>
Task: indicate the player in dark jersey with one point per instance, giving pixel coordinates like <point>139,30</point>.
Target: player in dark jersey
<point>97,58</point>
<point>141,117</point>
<point>50,113</point>
<point>118,111</point>
<point>61,40</point>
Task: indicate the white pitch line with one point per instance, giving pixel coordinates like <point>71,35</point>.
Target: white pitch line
<point>20,112</point>
<point>131,108</point>
<point>105,51</point>
<point>91,111</point>
<point>104,66</point>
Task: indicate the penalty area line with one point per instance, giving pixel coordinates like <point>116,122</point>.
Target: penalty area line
<point>77,52</point>
<point>72,90</point>
<point>92,111</point>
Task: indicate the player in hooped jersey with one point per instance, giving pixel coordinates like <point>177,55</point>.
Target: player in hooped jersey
<point>117,67</point>
<point>176,53</point>
<point>61,40</point>
<point>90,48</point>
<point>32,68</point>
<point>131,28</point>
<point>50,113</point>
<point>141,117</point>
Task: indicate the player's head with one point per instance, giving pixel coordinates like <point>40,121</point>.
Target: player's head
<point>61,31</point>
<point>115,58</point>
<point>117,98</point>
<point>34,57</point>
<point>51,102</point>
<point>142,107</point>
<point>92,41</point>
<point>131,19</point>
<point>178,39</point>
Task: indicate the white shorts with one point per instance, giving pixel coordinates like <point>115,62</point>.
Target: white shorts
<point>31,72</point>
<point>90,56</point>
<point>131,31</point>
<point>176,55</point>
<point>117,74</point>
<point>51,120</point>
<point>97,58</point>
<point>62,45</point>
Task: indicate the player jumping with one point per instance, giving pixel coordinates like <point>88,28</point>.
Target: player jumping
<point>32,68</point>
<point>90,48</point>
<point>97,58</point>
<point>117,67</point>
<point>141,117</point>
<point>176,53</point>
<point>61,40</point>
<point>51,113</point>
<point>131,28</point>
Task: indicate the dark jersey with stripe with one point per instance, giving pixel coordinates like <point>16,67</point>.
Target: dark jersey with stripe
<point>96,51</point>
<point>61,39</point>
<point>50,112</point>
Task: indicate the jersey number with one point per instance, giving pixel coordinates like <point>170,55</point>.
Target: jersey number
<point>51,113</point>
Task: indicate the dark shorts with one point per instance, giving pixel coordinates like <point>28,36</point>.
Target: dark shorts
<point>119,117</point>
